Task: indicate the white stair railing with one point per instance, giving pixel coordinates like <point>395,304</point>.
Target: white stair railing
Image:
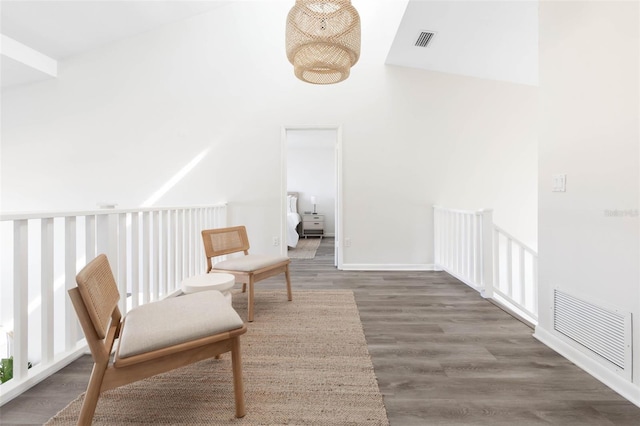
<point>150,251</point>
<point>470,247</point>
<point>515,269</point>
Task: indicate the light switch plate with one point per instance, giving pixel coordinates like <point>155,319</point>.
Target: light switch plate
<point>559,183</point>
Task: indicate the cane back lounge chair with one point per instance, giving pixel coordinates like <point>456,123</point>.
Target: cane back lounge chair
<point>153,338</point>
<point>247,269</point>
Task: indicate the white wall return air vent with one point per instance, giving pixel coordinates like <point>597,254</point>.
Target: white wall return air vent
<point>605,332</point>
<point>424,38</point>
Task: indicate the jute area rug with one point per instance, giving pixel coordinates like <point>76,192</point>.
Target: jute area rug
<point>305,249</point>
<point>304,362</point>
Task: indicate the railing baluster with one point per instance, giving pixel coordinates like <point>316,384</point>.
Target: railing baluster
<point>203,215</point>
<point>473,249</point>
<point>46,289</point>
<point>449,237</point>
<point>90,237</point>
<point>469,245</point>
<point>509,268</point>
<point>107,238</point>
<point>463,245</point>
<point>171,280</point>
<point>451,243</point>
<point>534,283</point>
<point>164,270</point>
<point>479,247</point>
<point>196,247</point>
<point>496,260</point>
<point>70,259</point>
<point>456,240</point>
<point>155,248</point>
<point>436,237</point>
<point>440,232</point>
<point>486,252</point>
<point>521,289</point>
<point>221,222</point>
<point>442,221</point>
<point>135,259</point>
<point>122,261</point>
<point>146,231</point>
<point>190,244</point>
<point>180,246</point>
<point>20,298</point>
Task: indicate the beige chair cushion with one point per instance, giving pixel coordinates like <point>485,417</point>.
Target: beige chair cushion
<point>250,262</point>
<point>176,320</point>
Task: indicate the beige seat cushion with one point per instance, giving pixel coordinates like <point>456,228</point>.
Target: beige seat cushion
<point>176,320</point>
<point>250,262</point>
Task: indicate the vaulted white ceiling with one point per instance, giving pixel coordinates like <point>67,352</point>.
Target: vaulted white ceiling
<point>497,40</point>
<point>486,39</point>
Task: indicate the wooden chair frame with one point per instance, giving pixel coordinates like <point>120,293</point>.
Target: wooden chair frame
<point>107,375</point>
<point>245,277</point>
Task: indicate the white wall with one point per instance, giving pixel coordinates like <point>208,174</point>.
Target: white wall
<point>120,121</point>
<point>488,154</point>
<point>589,92</point>
<point>311,171</point>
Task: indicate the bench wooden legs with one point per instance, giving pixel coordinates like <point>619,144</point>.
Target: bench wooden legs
<point>286,274</point>
<point>238,387</point>
<point>250,300</point>
<point>251,292</point>
<point>92,394</point>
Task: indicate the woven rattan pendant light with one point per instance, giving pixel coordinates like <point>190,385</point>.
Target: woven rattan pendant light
<point>323,40</point>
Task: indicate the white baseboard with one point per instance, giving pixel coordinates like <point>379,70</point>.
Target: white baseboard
<point>461,278</point>
<point>625,388</point>
<point>387,267</point>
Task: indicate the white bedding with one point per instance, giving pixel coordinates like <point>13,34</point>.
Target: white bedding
<point>293,219</point>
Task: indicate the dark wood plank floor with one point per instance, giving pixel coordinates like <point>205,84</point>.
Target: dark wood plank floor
<point>441,353</point>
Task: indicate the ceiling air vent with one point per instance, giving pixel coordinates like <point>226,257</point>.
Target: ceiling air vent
<point>424,38</point>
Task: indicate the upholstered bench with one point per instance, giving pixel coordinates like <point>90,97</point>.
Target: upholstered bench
<point>250,262</point>
<point>174,321</point>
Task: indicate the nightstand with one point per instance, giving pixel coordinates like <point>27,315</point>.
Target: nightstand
<point>312,225</point>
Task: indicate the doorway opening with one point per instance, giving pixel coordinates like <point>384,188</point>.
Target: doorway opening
<point>312,171</point>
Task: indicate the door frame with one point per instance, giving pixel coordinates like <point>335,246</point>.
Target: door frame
<point>338,252</point>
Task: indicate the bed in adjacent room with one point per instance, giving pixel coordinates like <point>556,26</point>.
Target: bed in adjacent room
<point>293,219</point>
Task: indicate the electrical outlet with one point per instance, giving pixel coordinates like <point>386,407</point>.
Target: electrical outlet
<point>276,241</point>
<point>347,242</point>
